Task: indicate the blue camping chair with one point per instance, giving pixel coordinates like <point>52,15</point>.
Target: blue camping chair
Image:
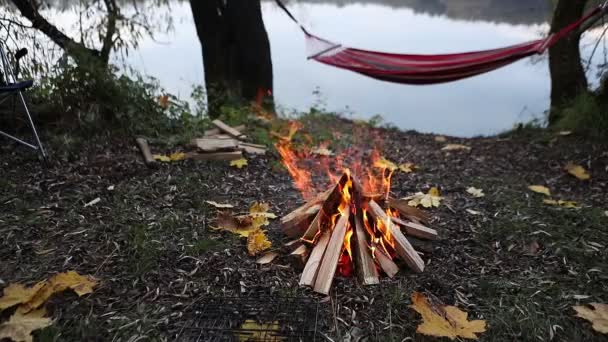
<point>11,88</point>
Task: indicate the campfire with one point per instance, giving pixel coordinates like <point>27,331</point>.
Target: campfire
<point>352,227</point>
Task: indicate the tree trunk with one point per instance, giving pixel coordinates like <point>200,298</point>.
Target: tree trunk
<point>236,51</point>
<point>568,78</point>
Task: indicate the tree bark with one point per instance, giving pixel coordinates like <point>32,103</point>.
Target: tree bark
<point>236,51</point>
<point>568,78</point>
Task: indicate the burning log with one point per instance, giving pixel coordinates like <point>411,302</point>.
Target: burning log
<point>347,229</point>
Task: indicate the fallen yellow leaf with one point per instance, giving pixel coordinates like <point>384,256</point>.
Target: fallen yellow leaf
<point>475,192</point>
<point>161,158</point>
<point>456,147</point>
<point>540,189</point>
<point>385,164</point>
<point>32,298</point>
<point>253,331</point>
<point>239,163</point>
<point>242,226</point>
<point>177,156</point>
<point>407,167</point>
<point>577,171</point>
<point>445,321</point>
<point>257,242</point>
<point>20,326</point>
<point>598,317</point>
<point>560,203</point>
<point>429,200</point>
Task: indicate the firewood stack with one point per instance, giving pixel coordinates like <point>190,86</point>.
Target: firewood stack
<point>223,143</point>
<point>345,225</point>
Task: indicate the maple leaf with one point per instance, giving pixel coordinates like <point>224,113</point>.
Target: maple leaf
<point>598,316</point>
<point>429,200</point>
<point>219,205</point>
<point>407,167</point>
<point>239,163</point>
<point>20,326</point>
<point>560,203</point>
<point>253,331</point>
<point>257,242</point>
<point>475,192</point>
<point>456,147</point>
<point>260,209</point>
<point>445,321</point>
<point>540,189</point>
<point>32,298</point>
<point>385,164</point>
<point>577,171</point>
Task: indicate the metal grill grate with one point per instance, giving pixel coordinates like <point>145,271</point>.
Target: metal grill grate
<point>252,319</point>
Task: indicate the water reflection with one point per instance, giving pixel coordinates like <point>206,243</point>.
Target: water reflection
<point>483,105</point>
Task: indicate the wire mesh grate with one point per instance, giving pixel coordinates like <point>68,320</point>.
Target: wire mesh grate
<point>251,319</point>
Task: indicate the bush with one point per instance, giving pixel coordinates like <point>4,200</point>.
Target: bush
<point>586,115</point>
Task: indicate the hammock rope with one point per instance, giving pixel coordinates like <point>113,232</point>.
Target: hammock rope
<point>432,69</point>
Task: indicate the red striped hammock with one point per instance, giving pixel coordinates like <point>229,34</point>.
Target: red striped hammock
<point>432,69</point>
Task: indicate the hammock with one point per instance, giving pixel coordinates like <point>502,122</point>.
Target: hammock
<point>432,69</point>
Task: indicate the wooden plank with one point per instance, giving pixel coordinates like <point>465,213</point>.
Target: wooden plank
<point>320,198</point>
<point>295,227</point>
<point>327,270</point>
<point>217,131</point>
<point>214,145</point>
<point>252,149</point>
<point>215,156</point>
<point>227,129</point>
<point>364,262</point>
<point>297,258</point>
<point>291,246</point>
<point>416,229</point>
<point>402,246</point>
<point>312,265</point>
<point>407,210</point>
<point>330,207</point>
<point>145,151</point>
<point>388,266</point>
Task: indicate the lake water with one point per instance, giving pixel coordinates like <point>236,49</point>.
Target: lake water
<point>484,105</point>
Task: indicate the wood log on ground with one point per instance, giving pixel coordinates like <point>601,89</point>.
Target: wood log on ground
<point>145,151</point>
<point>416,229</point>
<point>402,246</point>
<point>252,148</point>
<point>312,265</point>
<point>407,210</point>
<point>291,246</point>
<point>227,129</point>
<point>327,270</point>
<point>388,266</point>
<point>215,156</point>
<point>214,145</point>
<point>217,131</point>
<point>297,258</point>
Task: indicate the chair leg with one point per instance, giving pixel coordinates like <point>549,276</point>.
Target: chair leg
<point>34,131</point>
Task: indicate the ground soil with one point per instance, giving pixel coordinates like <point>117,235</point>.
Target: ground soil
<point>519,264</point>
